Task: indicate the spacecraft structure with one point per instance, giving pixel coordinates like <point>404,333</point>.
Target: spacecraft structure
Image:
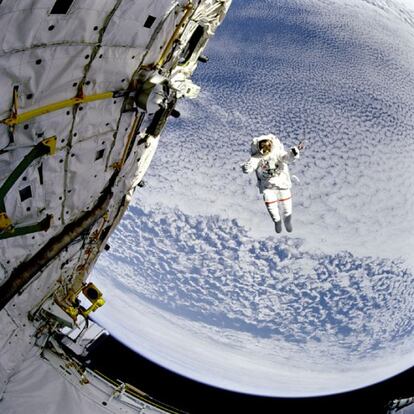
<point>87,88</point>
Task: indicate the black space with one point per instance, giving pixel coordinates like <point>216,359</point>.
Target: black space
<point>119,362</point>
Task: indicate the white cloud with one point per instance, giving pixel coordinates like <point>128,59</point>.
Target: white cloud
<point>348,94</point>
<point>321,313</point>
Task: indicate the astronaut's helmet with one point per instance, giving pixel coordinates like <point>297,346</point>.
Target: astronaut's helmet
<point>265,146</point>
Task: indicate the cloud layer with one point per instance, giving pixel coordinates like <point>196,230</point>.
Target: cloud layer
<point>198,245</point>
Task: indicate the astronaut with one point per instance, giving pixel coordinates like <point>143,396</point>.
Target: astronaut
<point>270,161</point>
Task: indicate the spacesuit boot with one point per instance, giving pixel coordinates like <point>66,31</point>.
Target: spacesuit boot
<point>288,223</point>
<point>278,226</point>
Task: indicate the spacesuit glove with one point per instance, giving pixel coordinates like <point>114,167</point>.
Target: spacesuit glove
<point>297,149</point>
<point>246,167</point>
<point>295,152</point>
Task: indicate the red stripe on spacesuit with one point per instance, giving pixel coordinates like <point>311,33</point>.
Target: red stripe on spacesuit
<point>277,201</point>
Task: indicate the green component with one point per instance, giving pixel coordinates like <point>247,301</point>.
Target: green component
<point>45,147</point>
<point>32,228</point>
<point>7,230</point>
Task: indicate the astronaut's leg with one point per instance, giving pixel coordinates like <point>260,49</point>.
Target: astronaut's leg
<point>271,200</point>
<point>285,203</point>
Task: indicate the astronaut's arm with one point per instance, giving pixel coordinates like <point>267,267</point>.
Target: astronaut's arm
<point>251,165</point>
<point>293,153</point>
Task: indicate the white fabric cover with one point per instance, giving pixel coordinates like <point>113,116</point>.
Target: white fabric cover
<point>38,388</point>
<point>126,28</point>
<point>46,385</point>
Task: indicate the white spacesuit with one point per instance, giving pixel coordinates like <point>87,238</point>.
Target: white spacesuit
<point>269,159</point>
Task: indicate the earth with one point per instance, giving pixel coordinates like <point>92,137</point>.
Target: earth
<point>196,278</point>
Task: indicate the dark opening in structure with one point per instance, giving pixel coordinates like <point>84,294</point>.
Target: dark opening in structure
<point>99,154</point>
<point>40,171</point>
<point>25,193</point>
<point>150,21</point>
<point>61,6</point>
<point>192,45</point>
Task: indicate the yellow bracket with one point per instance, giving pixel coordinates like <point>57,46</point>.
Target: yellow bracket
<point>119,164</point>
<point>94,295</point>
<point>5,222</point>
<point>72,312</point>
<point>97,304</point>
<point>16,119</point>
<point>188,11</point>
<point>51,143</point>
<point>116,165</point>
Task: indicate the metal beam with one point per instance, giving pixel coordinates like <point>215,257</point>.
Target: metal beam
<point>16,119</point>
<point>28,270</point>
